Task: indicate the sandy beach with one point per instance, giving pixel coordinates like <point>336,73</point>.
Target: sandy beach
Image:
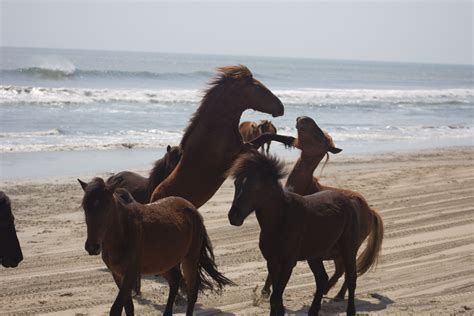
<point>426,199</point>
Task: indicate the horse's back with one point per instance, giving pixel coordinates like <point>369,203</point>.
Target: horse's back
<point>322,218</point>
<point>248,130</point>
<point>171,228</point>
<point>364,212</point>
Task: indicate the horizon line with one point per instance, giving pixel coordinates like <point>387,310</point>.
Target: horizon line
<point>249,55</point>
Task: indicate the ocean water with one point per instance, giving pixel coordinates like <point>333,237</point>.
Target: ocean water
<point>109,111</point>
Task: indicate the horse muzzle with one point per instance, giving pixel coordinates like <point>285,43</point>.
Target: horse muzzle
<point>279,112</point>
<point>234,219</point>
<point>92,249</point>
<point>11,262</point>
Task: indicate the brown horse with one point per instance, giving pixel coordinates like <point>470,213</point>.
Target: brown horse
<point>139,186</point>
<point>266,126</point>
<point>295,227</point>
<point>249,130</point>
<point>212,141</point>
<point>10,250</point>
<point>153,239</point>
<point>314,145</point>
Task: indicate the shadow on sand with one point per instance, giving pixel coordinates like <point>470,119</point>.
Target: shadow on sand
<point>181,307</point>
<point>330,306</point>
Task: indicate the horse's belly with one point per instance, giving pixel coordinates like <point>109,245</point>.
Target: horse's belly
<point>317,246</point>
<point>158,258</point>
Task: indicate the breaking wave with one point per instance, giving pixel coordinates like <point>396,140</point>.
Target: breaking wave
<point>304,97</point>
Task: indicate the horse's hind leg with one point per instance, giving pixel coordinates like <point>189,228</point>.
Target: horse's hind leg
<point>321,278</point>
<point>350,280</point>
<point>339,266</point>
<point>268,147</point>
<point>342,292</point>
<point>173,277</point>
<point>190,273</point>
<point>138,286</point>
<point>349,255</point>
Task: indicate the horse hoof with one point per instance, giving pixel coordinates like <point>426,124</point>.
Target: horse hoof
<point>266,295</point>
<point>338,298</point>
<point>180,300</point>
<point>137,294</point>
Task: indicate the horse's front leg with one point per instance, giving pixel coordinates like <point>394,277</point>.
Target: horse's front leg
<point>280,274</point>
<point>124,297</point>
<point>258,142</point>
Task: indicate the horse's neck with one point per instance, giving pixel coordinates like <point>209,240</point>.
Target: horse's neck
<point>116,221</point>
<point>271,212</point>
<point>301,176</point>
<point>220,121</point>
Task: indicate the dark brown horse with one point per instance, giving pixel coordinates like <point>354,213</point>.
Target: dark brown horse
<point>266,126</point>
<point>10,250</point>
<point>295,227</point>
<point>139,186</point>
<point>153,239</point>
<point>212,141</point>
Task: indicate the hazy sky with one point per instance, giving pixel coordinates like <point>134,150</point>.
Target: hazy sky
<point>423,31</point>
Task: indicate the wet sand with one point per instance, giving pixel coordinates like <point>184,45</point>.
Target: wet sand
<point>426,199</point>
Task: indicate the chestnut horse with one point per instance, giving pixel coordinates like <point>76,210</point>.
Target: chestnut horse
<point>294,227</point>
<point>139,186</point>
<point>249,130</point>
<point>212,141</point>
<point>10,250</point>
<point>252,130</point>
<point>266,126</point>
<point>153,239</point>
<point>314,145</point>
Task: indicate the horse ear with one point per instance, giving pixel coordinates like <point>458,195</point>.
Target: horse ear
<point>168,149</point>
<point>334,150</point>
<point>83,184</point>
<point>123,196</point>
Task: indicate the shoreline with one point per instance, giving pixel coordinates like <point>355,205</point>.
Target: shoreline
<point>53,165</point>
<point>425,199</point>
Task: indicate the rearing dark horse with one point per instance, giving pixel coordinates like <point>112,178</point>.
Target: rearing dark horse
<point>10,250</point>
<point>212,140</point>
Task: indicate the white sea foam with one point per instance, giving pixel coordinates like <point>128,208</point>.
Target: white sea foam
<point>10,95</point>
<point>55,140</point>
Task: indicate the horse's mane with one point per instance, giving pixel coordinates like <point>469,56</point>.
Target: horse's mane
<point>4,202</point>
<point>224,75</point>
<point>160,169</point>
<point>93,191</point>
<point>267,167</point>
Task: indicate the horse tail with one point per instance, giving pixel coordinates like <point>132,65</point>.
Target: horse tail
<point>369,257</point>
<point>208,276</point>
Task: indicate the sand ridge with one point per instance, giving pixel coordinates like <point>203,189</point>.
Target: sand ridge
<point>426,199</point>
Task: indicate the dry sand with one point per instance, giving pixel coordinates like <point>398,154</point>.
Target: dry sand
<point>426,200</point>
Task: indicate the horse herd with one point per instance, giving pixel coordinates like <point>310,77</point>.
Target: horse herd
<point>151,225</point>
